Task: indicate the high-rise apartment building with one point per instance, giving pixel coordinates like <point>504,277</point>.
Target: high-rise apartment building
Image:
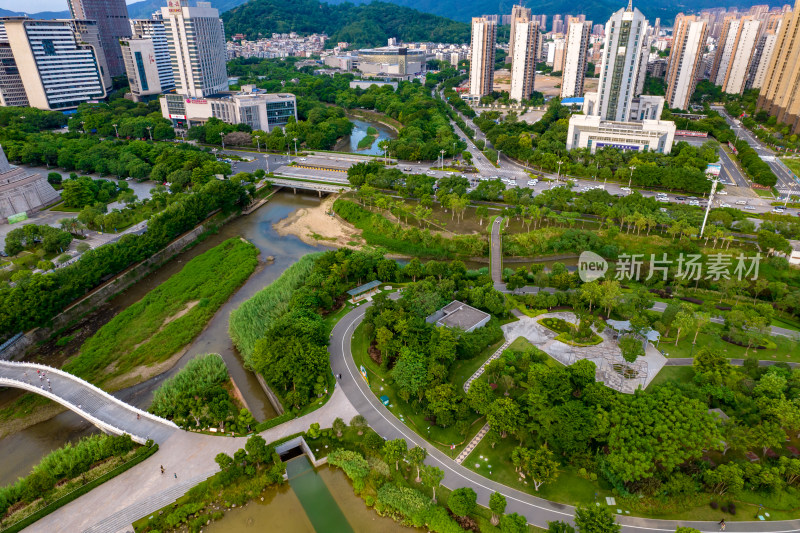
<point>559,52</point>
<point>779,93</point>
<point>689,36</point>
<point>518,13</point>
<point>196,43</point>
<point>154,30</point>
<point>57,67</point>
<point>112,24</point>
<point>734,53</point>
<point>622,59</point>
<point>558,24</point>
<point>761,58</point>
<point>481,65</point>
<point>523,63</point>
<point>577,48</point>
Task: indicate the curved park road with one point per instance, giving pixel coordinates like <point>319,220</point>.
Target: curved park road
<point>537,511</point>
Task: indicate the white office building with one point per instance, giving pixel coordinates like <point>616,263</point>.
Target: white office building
<point>154,30</point>
<point>593,132</point>
<point>622,58</point>
<point>523,62</point>
<point>259,110</point>
<point>57,68</point>
<point>196,43</point>
<point>139,57</point>
<point>577,48</point>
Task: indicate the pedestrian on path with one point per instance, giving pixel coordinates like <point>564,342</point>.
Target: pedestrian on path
<point>162,470</point>
<point>722,525</point>
<point>176,475</point>
<point>138,416</point>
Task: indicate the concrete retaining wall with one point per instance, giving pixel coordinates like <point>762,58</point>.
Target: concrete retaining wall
<point>110,288</point>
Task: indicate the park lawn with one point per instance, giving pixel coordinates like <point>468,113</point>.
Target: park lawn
<point>679,374</point>
<point>64,209</point>
<point>568,488</point>
<point>787,350</point>
<point>462,369</point>
<point>380,384</point>
<point>167,318</point>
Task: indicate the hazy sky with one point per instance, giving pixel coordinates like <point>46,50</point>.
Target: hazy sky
<point>34,6</point>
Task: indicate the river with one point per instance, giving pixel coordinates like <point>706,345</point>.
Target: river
<point>314,501</point>
<point>24,449</point>
<point>350,142</point>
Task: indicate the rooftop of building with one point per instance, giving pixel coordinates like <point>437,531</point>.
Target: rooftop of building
<point>364,288</point>
<point>390,50</point>
<point>458,315</point>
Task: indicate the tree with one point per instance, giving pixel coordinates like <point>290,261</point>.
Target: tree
<point>395,450</point>
<point>410,373</point>
<point>359,423</point>
<point>482,211</point>
<point>353,464</point>
<point>727,477</point>
<point>504,416</point>
<point>338,426</point>
<point>767,435</point>
<point>432,477</point>
<point>497,504</point>
<point>416,456</point>
<point>683,321</point>
<point>631,348</point>
<point>711,366</point>
<point>559,527</point>
<point>257,449</point>
<point>539,466</point>
<point>462,501</point>
<point>224,461</point>
<point>513,523</point>
<point>414,269</point>
<point>595,519</point>
<point>591,293</point>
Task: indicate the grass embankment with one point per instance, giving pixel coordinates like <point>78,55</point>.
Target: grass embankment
<point>250,320</point>
<point>199,397</point>
<point>65,474</point>
<point>377,230</point>
<point>166,319</point>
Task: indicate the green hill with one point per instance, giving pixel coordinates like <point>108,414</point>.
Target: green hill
<point>362,25</point>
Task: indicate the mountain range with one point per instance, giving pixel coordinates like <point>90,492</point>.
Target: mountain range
<point>596,10</point>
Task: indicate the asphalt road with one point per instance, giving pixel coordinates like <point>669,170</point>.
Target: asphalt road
<point>537,511</point>
<point>786,180</point>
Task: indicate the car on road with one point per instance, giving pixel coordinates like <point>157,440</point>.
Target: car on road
<point>302,159</point>
<point>741,202</point>
<point>724,205</point>
<point>778,210</point>
<point>626,189</point>
<point>531,183</point>
<point>749,208</point>
<point>680,198</point>
<point>723,193</point>
<point>407,169</point>
<point>430,173</point>
<point>694,203</point>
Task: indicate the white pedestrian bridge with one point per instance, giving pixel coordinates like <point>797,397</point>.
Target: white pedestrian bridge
<point>108,413</point>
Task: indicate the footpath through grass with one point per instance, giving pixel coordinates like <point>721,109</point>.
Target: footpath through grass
<point>167,318</point>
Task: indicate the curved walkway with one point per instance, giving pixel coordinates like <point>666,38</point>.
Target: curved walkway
<point>537,510</point>
<point>92,403</point>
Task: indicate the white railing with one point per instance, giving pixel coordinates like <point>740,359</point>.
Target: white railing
<point>94,388</point>
<point>105,426</point>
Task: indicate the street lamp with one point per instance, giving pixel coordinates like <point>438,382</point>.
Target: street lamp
<point>116,132</point>
<point>295,146</point>
<point>258,142</point>
<point>630,180</point>
<point>150,131</point>
<point>558,175</point>
<point>442,152</point>
<point>222,139</point>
